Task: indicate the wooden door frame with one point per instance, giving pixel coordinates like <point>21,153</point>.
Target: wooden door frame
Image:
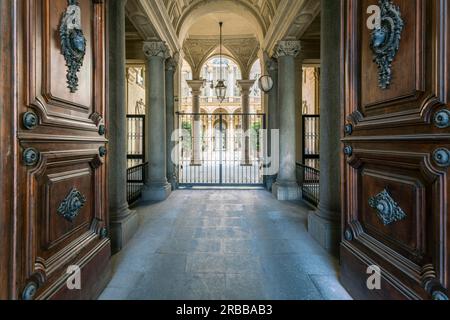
<point>8,153</point>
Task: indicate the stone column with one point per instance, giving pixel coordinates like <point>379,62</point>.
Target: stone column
<point>171,66</point>
<point>273,115</point>
<point>286,187</point>
<point>299,109</point>
<point>156,186</point>
<point>324,224</point>
<point>123,222</point>
<point>245,86</point>
<point>196,87</point>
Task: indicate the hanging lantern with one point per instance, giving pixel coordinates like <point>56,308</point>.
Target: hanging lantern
<point>265,83</point>
<point>221,88</point>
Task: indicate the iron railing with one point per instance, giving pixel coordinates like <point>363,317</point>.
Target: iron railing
<point>135,140</point>
<point>214,151</point>
<point>310,182</point>
<point>204,100</point>
<point>311,141</point>
<point>135,182</point>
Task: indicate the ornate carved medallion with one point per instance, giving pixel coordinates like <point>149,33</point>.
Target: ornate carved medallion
<point>73,43</point>
<point>71,205</point>
<point>385,41</point>
<point>387,209</point>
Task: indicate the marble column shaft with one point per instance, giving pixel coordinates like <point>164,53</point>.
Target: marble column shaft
<point>324,224</point>
<point>156,186</point>
<point>286,187</point>
<point>196,86</point>
<point>273,114</point>
<point>171,66</point>
<point>245,86</point>
<point>123,222</point>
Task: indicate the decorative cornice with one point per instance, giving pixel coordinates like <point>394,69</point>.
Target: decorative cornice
<point>286,15</point>
<point>157,13</point>
<point>288,48</point>
<point>155,49</point>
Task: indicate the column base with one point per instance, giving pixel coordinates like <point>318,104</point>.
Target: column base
<point>286,191</point>
<point>173,182</point>
<point>156,192</point>
<point>326,232</point>
<point>122,229</point>
<point>269,181</point>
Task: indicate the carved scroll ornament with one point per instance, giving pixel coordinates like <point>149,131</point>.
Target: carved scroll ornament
<point>385,41</point>
<point>71,206</point>
<point>387,209</point>
<point>73,43</point>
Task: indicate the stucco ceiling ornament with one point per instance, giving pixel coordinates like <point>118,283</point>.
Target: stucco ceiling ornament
<point>288,48</point>
<point>245,51</point>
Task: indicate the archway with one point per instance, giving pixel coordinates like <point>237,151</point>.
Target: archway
<point>241,9</point>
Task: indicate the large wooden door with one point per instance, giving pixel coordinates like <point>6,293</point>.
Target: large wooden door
<point>58,219</point>
<point>396,180</point>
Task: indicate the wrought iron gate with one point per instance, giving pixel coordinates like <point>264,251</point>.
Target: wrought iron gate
<point>311,141</point>
<point>135,140</point>
<point>213,149</point>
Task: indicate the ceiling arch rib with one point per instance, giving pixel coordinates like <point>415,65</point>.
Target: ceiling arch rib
<point>199,8</point>
<point>244,51</point>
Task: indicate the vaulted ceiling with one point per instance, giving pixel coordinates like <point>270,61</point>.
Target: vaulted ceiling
<point>243,50</point>
<point>250,27</point>
<point>178,10</point>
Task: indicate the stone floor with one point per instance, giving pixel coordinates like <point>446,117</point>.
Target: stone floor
<point>223,245</point>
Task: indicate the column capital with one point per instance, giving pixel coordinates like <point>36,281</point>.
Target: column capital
<point>288,48</point>
<point>245,85</point>
<point>172,62</point>
<point>195,85</point>
<point>156,49</point>
<point>271,63</point>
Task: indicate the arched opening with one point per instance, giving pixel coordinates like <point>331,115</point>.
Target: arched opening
<point>185,90</point>
<point>229,11</point>
<point>212,71</point>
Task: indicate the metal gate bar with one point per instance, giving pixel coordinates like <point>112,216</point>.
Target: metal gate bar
<point>213,151</point>
<point>135,140</point>
<point>311,140</point>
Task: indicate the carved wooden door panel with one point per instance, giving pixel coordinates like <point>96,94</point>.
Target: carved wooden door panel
<point>396,148</point>
<point>61,194</point>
